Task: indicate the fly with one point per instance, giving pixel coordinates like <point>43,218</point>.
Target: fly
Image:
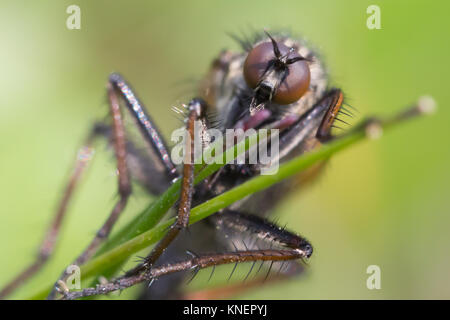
<point>276,82</point>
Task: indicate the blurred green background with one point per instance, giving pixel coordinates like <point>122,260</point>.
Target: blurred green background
<point>381,202</point>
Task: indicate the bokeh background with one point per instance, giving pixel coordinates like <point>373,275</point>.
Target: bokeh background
<point>383,202</point>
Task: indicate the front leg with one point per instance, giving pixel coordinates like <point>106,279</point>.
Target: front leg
<point>291,247</point>
<point>196,111</point>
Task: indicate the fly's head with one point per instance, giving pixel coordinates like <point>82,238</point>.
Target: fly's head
<point>275,83</point>
<point>276,73</point>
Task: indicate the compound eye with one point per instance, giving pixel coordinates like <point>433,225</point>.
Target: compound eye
<point>297,79</point>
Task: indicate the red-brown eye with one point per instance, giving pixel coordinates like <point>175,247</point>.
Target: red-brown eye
<point>296,82</point>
